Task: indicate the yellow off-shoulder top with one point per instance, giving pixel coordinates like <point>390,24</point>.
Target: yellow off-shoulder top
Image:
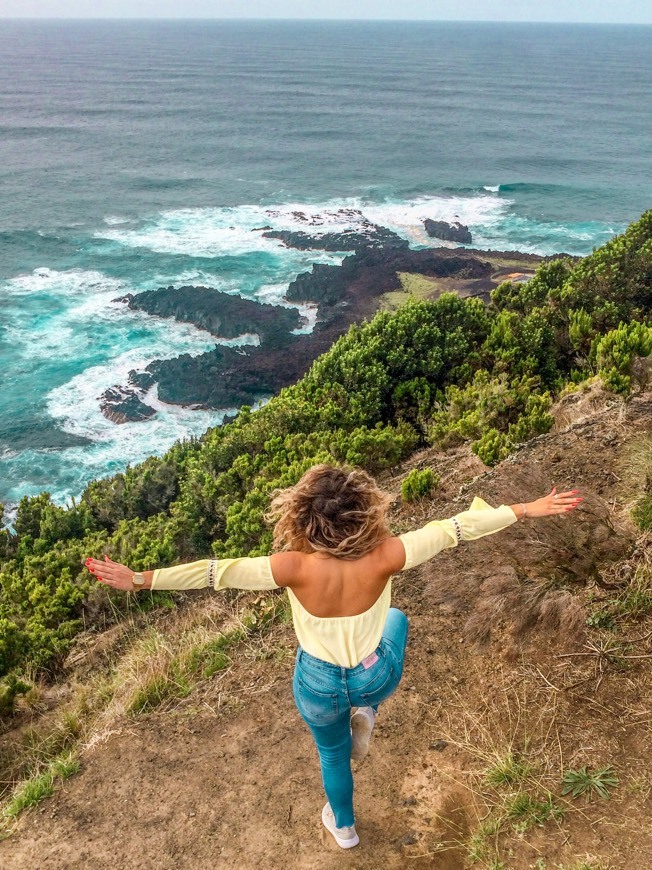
<point>340,640</point>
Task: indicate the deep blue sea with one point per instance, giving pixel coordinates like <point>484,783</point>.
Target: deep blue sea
<point>140,154</point>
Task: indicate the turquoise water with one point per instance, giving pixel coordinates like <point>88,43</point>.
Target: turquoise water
<point>134,155</point>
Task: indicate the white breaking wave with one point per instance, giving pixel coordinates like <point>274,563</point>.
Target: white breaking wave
<point>115,221</point>
<point>76,407</point>
<point>69,283</point>
<point>234,231</point>
<point>407,219</point>
<point>68,321</point>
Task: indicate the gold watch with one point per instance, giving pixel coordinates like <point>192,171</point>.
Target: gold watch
<point>138,580</point>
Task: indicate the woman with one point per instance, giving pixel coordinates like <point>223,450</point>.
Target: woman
<point>335,556</point>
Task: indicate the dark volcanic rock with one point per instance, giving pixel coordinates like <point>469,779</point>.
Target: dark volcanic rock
<point>227,377</point>
<point>221,314</point>
<point>374,272</point>
<point>370,236</point>
<point>141,380</point>
<point>455,232</point>
<point>122,405</point>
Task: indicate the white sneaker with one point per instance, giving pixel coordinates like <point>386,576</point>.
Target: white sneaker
<point>362,724</point>
<point>346,838</point>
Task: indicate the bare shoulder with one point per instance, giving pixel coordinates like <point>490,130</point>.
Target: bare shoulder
<point>390,555</point>
<point>287,567</point>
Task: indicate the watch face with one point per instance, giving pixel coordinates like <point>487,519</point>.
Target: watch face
<point>138,580</point>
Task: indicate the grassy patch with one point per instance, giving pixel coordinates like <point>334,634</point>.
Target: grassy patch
<point>41,785</point>
<point>642,513</point>
<point>525,811</point>
<point>413,286</point>
<point>483,841</point>
<point>161,669</point>
<point>158,689</point>
<point>509,769</point>
<point>633,601</point>
<point>635,471</point>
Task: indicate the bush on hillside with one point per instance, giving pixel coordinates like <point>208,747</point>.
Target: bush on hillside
<point>418,484</point>
<point>615,353</point>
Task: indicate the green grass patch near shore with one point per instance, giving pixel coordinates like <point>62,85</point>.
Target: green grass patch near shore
<point>413,286</point>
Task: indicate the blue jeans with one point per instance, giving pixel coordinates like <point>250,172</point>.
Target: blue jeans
<point>325,694</point>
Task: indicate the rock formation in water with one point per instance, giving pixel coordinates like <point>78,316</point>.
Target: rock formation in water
<point>228,377</point>
<point>455,232</point>
<point>222,314</point>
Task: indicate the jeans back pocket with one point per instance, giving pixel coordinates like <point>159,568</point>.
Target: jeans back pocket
<point>380,685</point>
<point>316,704</point>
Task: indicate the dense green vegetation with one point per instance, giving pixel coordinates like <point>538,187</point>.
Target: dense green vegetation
<point>440,372</point>
<point>418,484</point>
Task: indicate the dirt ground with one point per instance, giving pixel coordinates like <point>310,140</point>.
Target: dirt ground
<point>229,777</point>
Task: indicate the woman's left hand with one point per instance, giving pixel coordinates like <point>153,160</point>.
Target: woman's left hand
<point>554,503</point>
<point>111,573</point>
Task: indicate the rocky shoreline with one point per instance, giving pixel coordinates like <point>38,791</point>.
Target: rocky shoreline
<point>228,377</point>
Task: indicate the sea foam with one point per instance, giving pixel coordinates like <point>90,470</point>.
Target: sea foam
<point>236,231</point>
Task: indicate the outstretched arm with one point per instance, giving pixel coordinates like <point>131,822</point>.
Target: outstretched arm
<point>413,548</point>
<point>260,572</point>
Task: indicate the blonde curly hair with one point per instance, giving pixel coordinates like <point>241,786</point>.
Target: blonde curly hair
<point>336,510</point>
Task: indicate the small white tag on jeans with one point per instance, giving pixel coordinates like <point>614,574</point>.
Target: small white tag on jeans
<point>370,660</point>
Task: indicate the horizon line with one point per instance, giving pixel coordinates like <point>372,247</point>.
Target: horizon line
<point>319,20</point>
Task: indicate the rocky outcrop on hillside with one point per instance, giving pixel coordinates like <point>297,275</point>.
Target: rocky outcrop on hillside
<point>373,272</point>
<point>228,377</point>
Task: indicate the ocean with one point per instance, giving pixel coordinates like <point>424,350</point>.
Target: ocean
<point>141,154</point>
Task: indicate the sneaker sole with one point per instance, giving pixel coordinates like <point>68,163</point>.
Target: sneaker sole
<point>361,729</point>
<point>343,844</point>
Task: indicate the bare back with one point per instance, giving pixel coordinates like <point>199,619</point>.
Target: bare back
<point>331,587</point>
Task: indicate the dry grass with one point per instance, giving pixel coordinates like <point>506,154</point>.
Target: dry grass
<point>635,466</point>
<point>152,665</point>
<point>511,770</point>
<point>514,754</point>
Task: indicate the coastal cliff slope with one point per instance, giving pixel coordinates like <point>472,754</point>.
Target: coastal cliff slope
<point>513,665</point>
<point>164,724</point>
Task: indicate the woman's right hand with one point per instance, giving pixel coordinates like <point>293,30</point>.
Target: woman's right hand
<point>554,503</point>
<point>111,573</point>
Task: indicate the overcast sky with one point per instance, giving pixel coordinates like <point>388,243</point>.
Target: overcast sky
<point>614,11</point>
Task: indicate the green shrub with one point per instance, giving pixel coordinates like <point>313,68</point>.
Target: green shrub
<point>10,688</point>
<point>642,513</point>
<point>515,406</point>
<point>418,484</point>
<point>616,350</point>
<point>492,448</point>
